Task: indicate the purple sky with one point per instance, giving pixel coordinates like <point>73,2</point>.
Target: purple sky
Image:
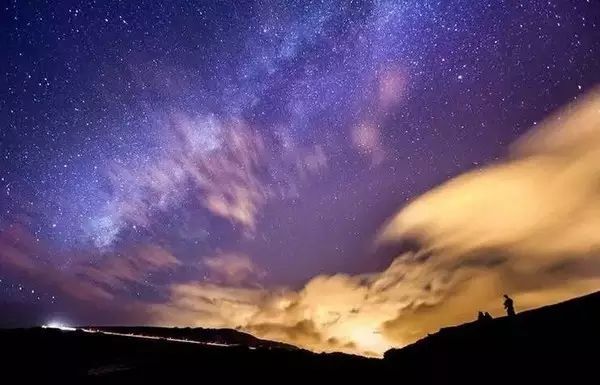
<point>254,144</point>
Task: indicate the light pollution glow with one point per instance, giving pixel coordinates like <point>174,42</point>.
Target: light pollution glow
<point>526,226</point>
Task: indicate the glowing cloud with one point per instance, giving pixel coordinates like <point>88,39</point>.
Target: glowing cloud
<point>524,226</point>
<point>540,206</point>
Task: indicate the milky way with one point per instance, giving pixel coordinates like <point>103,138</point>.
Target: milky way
<point>149,149</point>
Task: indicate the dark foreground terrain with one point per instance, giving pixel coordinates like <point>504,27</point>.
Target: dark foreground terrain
<point>213,336</point>
<point>554,344</point>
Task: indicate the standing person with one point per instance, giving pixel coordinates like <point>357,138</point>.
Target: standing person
<point>509,305</point>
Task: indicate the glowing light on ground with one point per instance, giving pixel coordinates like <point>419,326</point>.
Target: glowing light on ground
<point>58,325</point>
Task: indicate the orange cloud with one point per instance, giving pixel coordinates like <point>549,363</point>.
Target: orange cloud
<point>331,313</point>
<point>542,202</point>
<point>526,226</point>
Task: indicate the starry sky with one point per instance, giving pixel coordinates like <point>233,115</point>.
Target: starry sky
<point>187,162</point>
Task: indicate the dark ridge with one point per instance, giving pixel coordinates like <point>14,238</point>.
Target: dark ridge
<point>553,344</point>
<point>207,335</point>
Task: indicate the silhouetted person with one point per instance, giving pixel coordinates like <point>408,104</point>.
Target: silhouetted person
<point>480,316</point>
<point>509,305</point>
<point>484,316</point>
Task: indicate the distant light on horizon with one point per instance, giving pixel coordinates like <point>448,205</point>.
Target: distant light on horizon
<point>58,325</point>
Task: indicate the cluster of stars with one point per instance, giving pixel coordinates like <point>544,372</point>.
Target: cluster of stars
<point>21,292</point>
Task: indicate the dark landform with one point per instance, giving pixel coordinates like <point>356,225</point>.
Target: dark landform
<point>555,344</point>
<point>211,336</point>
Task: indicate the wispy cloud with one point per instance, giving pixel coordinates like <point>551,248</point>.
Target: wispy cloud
<point>524,226</point>
<point>540,206</point>
<point>338,312</point>
<point>233,268</point>
<point>100,280</point>
<point>223,165</point>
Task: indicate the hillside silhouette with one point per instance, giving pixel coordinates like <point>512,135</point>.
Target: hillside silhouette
<point>553,344</point>
<point>543,345</point>
<point>222,336</point>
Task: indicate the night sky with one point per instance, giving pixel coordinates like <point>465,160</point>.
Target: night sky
<point>187,162</point>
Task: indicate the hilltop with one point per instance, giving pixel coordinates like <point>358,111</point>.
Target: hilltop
<point>220,336</point>
<point>540,345</point>
<point>556,343</point>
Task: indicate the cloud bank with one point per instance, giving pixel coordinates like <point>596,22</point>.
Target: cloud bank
<point>525,226</point>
